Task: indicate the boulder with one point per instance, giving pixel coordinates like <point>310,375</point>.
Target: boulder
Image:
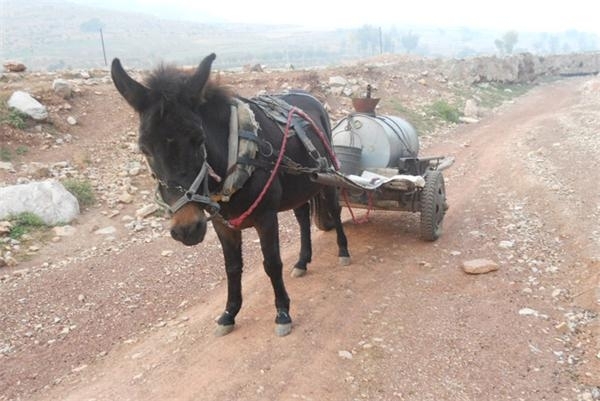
<point>62,88</point>
<point>49,200</point>
<point>13,66</point>
<point>471,109</point>
<point>25,103</point>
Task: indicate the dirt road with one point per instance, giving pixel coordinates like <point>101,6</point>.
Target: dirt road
<point>403,322</point>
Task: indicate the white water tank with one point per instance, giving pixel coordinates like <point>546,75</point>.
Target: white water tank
<point>383,139</point>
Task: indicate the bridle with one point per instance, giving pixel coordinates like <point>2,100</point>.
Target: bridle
<point>191,194</point>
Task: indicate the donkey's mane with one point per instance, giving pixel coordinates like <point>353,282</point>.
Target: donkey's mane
<point>172,85</point>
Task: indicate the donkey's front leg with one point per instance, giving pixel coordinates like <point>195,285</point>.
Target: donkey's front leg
<point>268,232</point>
<point>231,242</point>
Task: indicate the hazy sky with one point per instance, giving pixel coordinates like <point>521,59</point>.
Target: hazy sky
<point>522,15</point>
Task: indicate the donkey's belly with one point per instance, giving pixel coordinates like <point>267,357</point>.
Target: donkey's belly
<point>296,191</point>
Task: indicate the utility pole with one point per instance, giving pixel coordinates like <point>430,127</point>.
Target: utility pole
<point>103,49</point>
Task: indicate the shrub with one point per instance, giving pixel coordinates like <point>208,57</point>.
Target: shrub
<point>5,154</point>
<point>445,111</point>
<point>82,190</point>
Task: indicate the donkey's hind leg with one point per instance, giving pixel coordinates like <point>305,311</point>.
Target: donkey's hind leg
<point>303,217</point>
<point>333,205</point>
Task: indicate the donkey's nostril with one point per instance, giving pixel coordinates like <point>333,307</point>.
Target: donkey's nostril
<point>176,234</point>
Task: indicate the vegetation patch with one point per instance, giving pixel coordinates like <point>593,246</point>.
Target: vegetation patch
<point>445,111</point>
<point>5,154</point>
<point>82,190</point>
<point>493,95</point>
<point>25,223</point>
<point>419,120</point>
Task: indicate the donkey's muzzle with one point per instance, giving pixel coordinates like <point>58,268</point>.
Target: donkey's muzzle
<point>189,234</point>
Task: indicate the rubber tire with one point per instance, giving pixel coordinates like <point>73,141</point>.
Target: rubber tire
<point>320,214</point>
<point>433,205</point>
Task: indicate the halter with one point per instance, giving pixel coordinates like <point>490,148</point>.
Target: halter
<point>191,194</point>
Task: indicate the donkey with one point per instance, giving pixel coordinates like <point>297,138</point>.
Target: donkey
<point>185,123</point>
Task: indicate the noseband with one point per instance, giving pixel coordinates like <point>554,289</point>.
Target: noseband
<point>191,194</point>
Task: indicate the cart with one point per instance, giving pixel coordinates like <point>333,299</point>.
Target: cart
<point>380,169</point>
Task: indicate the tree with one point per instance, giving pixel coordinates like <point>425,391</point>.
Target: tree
<point>410,41</point>
<point>507,44</point>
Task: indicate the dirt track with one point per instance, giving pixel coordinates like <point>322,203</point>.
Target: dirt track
<point>403,322</point>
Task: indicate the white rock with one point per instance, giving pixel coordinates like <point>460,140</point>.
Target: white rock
<point>6,166</point>
<point>345,354</point>
<point>471,110</point>
<point>506,244</point>
<point>64,231</point>
<point>25,103</point>
<point>479,266</point>
<point>146,210</point>
<point>71,120</point>
<point>49,200</point>
<point>106,230</point>
<point>468,120</point>
<point>338,81</point>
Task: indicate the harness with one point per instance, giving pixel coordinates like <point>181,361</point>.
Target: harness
<point>243,146</point>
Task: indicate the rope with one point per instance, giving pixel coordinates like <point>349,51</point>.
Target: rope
<point>365,218</point>
<point>238,221</point>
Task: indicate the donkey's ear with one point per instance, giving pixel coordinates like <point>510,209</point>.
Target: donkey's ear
<point>200,77</point>
<point>135,93</point>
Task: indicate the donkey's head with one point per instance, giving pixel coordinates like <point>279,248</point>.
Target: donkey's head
<point>172,138</point>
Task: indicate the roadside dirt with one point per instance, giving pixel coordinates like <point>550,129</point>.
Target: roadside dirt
<point>131,316</point>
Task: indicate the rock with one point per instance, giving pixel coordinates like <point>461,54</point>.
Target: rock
<point>468,120</point>
<point>146,210</point>
<point>71,120</point>
<point>49,200</point>
<point>106,231</point>
<point>479,266</point>
<point>506,244</point>
<point>166,253</point>
<point>64,231</point>
<point>25,103</point>
<point>5,227</point>
<point>7,166</point>
<point>13,66</point>
<point>345,354</point>
<point>337,81</point>
<point>471,110</point>
<point>126,198</point>
<point>62,88</point>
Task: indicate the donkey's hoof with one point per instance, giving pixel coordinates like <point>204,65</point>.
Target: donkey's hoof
<point>297,272</point>
<point>345,260</point>
<point>223,329</point>
<point>282,330</point>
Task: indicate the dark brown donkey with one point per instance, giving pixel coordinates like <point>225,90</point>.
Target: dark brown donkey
<point>185,122</point>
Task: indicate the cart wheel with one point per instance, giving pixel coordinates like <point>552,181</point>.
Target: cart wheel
<point>320,213</point>
<point>433,205</point>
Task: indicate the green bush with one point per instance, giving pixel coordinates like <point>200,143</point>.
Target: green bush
<point>445,111</point>
<point>82,190</point>
<point>24,223</point>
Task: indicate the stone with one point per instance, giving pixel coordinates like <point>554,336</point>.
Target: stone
<point>106,231</point>
<point>62,88</point>
<point>471,109</point>
<point>146,210</point>
<point>506,244</point>
<point>468,120</point>
<point>479,266</point>
<point>5,227</point>
<point>7,166</point>
<point>25,103</point>
<point>49,200</point>
<point>71,120</point>
<point>64,231</point>
<point>125,198</point>
<point>13,66</point>
<point>345,354</point>
<point>337,81</point>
